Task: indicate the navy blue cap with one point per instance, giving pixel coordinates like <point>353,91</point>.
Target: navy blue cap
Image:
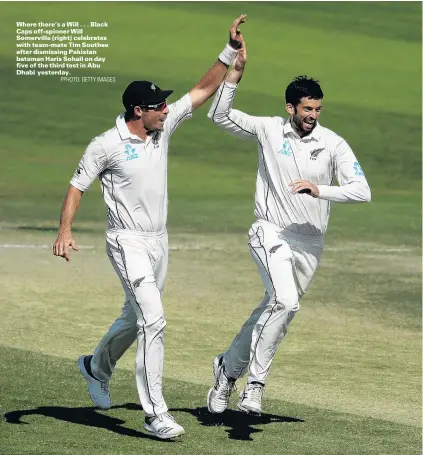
<point>144,93</point>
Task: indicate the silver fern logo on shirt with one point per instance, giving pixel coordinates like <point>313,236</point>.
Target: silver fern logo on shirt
<point>315,153</point>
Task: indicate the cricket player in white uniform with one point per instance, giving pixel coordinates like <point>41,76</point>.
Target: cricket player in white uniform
<point>131,162</point>
<point>298,160</point>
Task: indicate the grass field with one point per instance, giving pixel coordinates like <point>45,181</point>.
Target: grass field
<point>347,379</point>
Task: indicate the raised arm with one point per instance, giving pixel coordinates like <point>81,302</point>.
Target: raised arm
<point>231,120</point>
<point>234,75</point>
<point>209,83</point>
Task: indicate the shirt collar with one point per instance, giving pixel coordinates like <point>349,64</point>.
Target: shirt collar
<point>123,129</point>
<point>314,135</point>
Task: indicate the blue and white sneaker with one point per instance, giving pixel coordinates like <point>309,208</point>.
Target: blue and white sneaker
<point>97,390</point>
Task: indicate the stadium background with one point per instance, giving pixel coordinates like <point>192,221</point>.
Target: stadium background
<point>347,379</point>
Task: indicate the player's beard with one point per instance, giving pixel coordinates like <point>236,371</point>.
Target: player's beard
<point>297,123</point>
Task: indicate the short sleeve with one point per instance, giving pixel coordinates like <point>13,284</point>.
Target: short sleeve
<point>92,164</point>
<point>178,112</point>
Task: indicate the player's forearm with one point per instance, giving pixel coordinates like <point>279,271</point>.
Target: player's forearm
<point>210,82</point>
<point>69,209</point>
<point>354,192</point>
<point>234,76</point>
<point>222,103</point>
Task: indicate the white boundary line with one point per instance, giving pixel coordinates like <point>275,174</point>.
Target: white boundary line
<point>41,247</point>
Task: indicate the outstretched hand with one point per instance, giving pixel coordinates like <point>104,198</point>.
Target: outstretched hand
<point>241,58</point>
<point>235,36</point>
<point>209,83</point>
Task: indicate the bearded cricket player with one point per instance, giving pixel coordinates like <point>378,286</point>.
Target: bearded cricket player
<point>298,160</point>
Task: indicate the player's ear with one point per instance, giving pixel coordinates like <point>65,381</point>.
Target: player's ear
<point>137,112</point>
<point>290,109</point>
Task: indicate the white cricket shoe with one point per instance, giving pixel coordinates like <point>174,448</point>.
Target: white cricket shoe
<point>97,390</point>
<point>218,396</point>
<point>250,398</point>
<point>163,426</point>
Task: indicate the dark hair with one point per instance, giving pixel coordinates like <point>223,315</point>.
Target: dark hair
<point>129,113</point>
<point>303,87</point>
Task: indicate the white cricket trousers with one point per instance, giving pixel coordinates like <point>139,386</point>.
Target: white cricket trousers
<point>140,260</point>
<point>286,262</point>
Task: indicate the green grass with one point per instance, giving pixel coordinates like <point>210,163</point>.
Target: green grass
<point>350,366</point>
<point>369,65</point>
<point>347,380</point>
<point>59,420</point>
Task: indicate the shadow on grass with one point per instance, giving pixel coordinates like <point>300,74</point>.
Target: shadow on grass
<point>239,423</point>
<point>53,229</point>
<point>88,416</point>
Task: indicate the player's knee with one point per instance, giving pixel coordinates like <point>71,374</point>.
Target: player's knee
<point>157,325</point>
<point>287,302</point>
<point>152,326</point>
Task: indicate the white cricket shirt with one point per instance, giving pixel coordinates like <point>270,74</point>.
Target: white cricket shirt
<point>284,157</point>
<point>132,173</point>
